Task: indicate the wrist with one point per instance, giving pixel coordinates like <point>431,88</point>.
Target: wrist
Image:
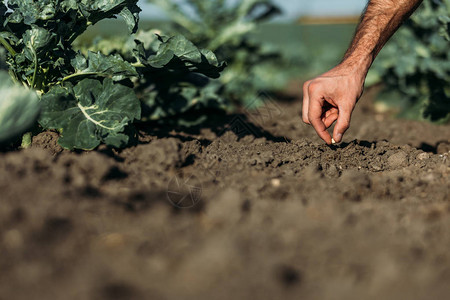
<point>357,65</point>
<point>360,64</point>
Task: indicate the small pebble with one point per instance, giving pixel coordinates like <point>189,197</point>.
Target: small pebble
<point>423,156</point>
<point>333,141</point>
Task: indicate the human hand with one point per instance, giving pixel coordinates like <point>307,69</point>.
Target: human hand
<point>332,97</point>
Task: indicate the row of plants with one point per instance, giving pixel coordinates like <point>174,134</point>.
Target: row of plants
<point>415,66</point>
<point>225,28</point>
<point>96,93</point>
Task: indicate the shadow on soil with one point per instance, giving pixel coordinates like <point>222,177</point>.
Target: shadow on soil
<point>215,121</point>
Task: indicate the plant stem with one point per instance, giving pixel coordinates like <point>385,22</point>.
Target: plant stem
<point>79,74</point>
<point>8,47</point>
<point>138,65</point>
<point>33,82</point>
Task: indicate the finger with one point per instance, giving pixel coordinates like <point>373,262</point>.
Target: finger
<point>315,117</point>
<point>342,124</point>
<point>330,119</point>
<point>305,106</point>
<point>330,116</point>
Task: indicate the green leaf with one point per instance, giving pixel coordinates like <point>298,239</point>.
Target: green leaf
<point>97,64</point>
<point>90,113</point>
<point>182,48</point>
<point>98,10</point>
<point>131,17</point>
<point>19,108</point>
<point>29,11</point>
<point>179,53</point>
<point>37,40</point>
<point>444,30</point>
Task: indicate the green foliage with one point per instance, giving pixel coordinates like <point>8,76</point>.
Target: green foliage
<point>19,108</point>
<point>97,64</point>
<point>174,77</point>
<point>39,35</point>
<point>224,28</point>
<point>416,64</point>
<point>92,98</point>
<point>87,115</point>
<point>445,28</point>
<point>173,72</point>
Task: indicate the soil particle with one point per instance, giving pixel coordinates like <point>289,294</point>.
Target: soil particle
<point>443,148</point>
<point>423,156</point>
<point>49,141</point>
<point>399,159</point>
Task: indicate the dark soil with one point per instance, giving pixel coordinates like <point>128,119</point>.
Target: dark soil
<point>252,205</point>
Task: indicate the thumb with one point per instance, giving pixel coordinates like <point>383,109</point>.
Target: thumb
<point>342,124</point>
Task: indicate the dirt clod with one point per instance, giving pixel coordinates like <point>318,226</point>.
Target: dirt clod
<point>399,159</point>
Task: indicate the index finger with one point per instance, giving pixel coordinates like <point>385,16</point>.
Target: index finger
<point>315,117</point>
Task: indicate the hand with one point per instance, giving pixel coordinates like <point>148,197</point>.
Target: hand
<point>332,97</point>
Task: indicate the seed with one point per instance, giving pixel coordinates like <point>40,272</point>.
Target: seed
<point>276,182</point>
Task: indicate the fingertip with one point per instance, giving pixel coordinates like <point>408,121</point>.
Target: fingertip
<point>325,136</point>
<point>337,137</point>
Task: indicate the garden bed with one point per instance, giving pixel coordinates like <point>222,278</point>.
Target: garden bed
<point>248,205</point>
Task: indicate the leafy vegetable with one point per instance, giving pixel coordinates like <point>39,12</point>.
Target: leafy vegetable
<point>173,72</point>
<point>91,97</point>
<point>224,28</point>
<point>19,108</point>
<point>416,64</point>
<point>39,34</point>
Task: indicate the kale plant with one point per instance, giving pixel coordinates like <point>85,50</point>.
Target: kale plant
<point>90,98</point>
<point>224,28</point>
<point>174,73</point>
<point>416,64</point>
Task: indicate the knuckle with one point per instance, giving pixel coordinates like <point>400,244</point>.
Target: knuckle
<point>313,87</point>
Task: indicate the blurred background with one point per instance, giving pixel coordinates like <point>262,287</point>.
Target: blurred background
<point>312,35</point>
<point>292,9</point>
<point>318,30</point>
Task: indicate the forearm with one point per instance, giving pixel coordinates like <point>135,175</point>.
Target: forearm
<point>380,21</point>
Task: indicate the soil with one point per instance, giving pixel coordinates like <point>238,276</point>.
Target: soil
<point>248,205</point>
